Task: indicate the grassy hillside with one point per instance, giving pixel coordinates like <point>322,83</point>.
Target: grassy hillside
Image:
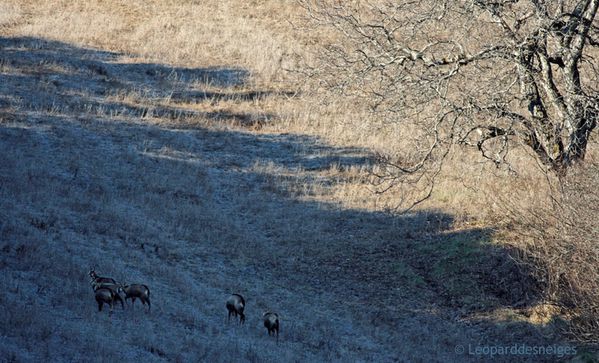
<point>163,142</point>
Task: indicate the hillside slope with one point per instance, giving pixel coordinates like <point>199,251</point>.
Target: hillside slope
<point>158,173</point>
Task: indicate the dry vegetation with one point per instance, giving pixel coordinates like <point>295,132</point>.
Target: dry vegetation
<point>167,142</point>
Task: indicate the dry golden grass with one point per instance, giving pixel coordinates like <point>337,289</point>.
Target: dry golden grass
<point>184,33</point>
<point>250,36</point>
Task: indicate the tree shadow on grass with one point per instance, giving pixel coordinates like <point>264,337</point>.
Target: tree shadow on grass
<point>411,281</point>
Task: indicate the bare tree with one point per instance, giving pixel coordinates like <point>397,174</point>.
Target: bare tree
<point>495,75</point>
<point>485,74</point>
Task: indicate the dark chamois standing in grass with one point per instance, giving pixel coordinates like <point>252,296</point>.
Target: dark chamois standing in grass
<point>105,296</point>
<point>99,282</point>
<point>235,306</point>
<point>135,291</point>
<point>95,279</point>
<point>271,322</point>
<point>115,288</point>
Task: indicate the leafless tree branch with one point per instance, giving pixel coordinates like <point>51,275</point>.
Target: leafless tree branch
<point>514,71</point>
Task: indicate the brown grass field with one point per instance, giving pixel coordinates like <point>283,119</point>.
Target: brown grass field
<point>168,143</point>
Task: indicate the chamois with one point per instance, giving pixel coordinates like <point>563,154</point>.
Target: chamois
<point>109,283</point>
<point>235,306</point>
<point>115,288</point>
<point>134,291</point>
<point>271,322</point>
<point>95,279</point>
<point>105,296</point>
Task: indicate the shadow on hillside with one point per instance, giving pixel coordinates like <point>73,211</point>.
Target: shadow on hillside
<point>394,265</point>
<point>70,80</point>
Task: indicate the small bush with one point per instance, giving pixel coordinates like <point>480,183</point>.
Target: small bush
<point>561,242</point>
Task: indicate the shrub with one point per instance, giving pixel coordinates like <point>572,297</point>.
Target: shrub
<point>561,242</point>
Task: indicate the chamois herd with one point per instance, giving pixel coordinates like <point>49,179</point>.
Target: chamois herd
<point>108,291</point>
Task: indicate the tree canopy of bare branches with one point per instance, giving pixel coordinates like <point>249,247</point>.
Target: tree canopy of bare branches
<point>479,73</point>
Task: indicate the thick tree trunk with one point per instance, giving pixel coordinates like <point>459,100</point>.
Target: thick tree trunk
<point>559,137</point>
